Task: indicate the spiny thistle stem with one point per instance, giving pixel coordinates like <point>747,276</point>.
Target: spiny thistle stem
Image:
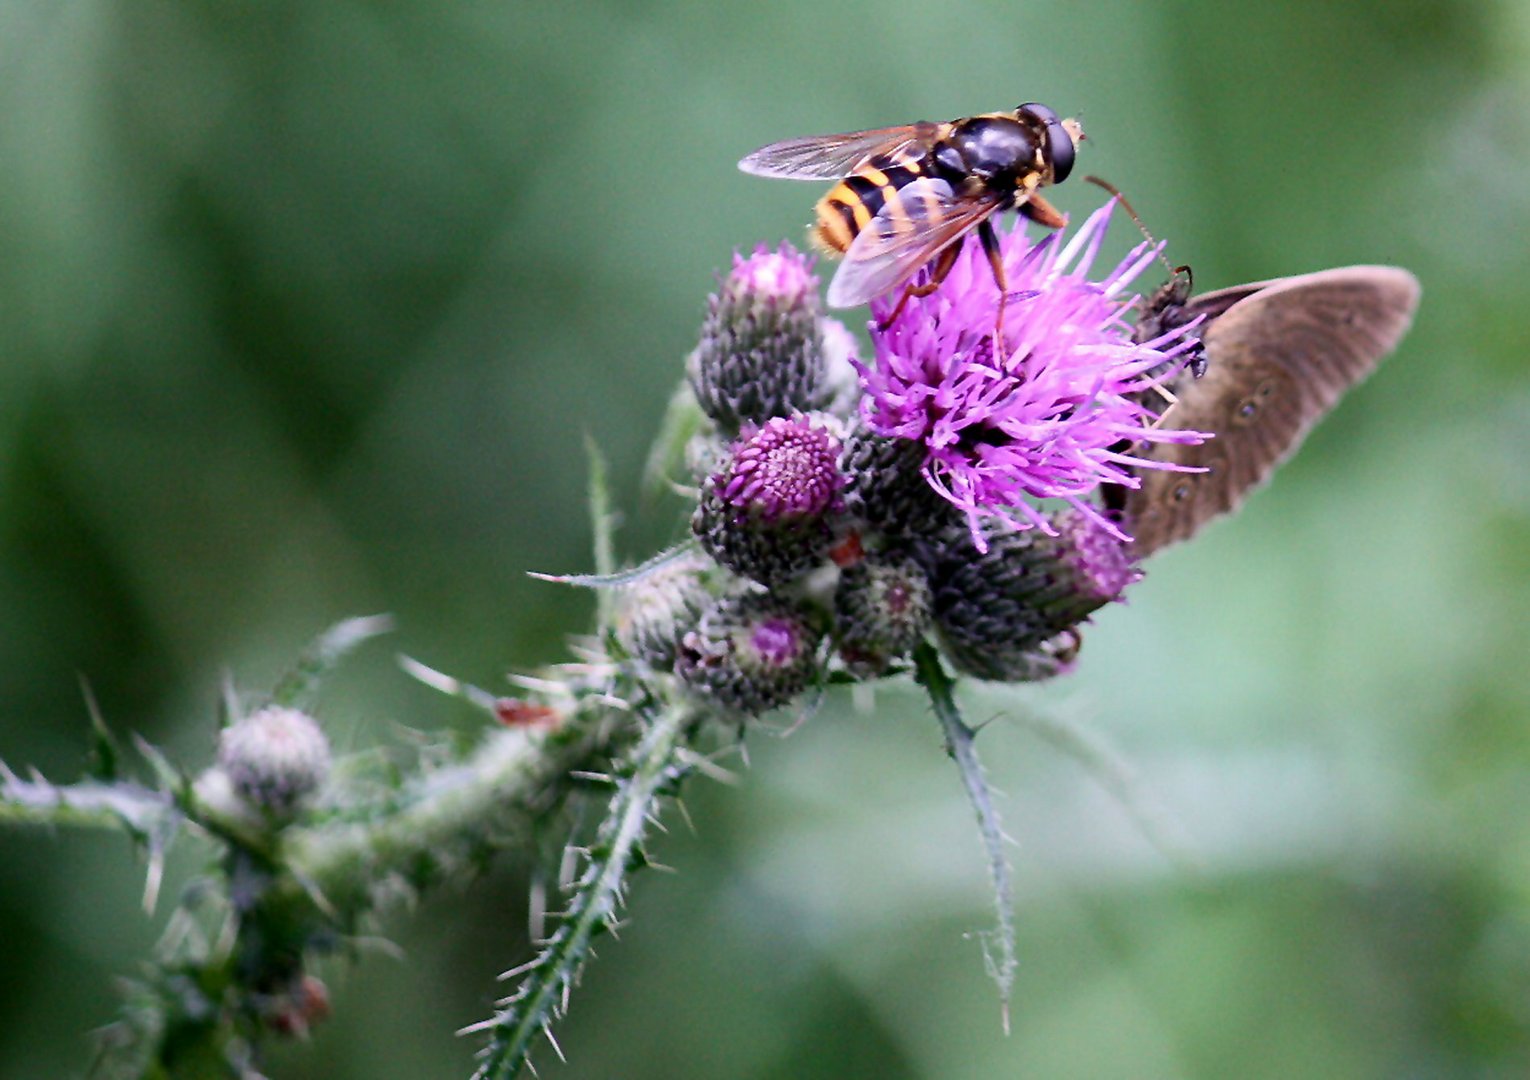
<point>594,901</point>
<point>88,804</point>
<point>959,744</point>
<point>499,790</point>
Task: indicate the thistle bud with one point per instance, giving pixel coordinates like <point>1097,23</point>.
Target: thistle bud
<point>881,611</point>
<point>654,612</point>
<point>750,653</point>
<point>761,350</point>
<point>765,514</point>
<point>706,452</point>
<point>842,382</point>
<point>276,759</point>
<point>886,489</point>
<point>298,1009</point>
<point>1001,613</point>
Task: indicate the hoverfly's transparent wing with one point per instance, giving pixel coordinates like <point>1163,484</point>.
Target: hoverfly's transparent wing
<point>916,223</point>
<point>830,157</point>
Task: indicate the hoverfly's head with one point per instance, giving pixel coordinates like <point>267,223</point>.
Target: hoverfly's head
<point>1059,138</point>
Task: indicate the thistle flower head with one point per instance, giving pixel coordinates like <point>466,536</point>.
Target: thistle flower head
<point>1003,609</point>
<point>788,467</point>
<point>1046,415</point>
<point>782,276</point>
<point>881,611</point>
<point>655,611</point>
<point>886,493</point>
<point>841,381</point>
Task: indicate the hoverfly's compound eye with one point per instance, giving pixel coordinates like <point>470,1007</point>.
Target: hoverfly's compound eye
<point>1037,113</point>
<point>1060,148</point>
<point>1059,140</point>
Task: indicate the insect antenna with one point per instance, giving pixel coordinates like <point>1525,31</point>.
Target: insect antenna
<point>1115,192</point>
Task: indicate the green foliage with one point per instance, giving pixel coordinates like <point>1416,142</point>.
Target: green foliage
<point>306,310</point>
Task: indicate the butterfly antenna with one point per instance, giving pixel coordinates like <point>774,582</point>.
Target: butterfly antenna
<point>1115,192</point>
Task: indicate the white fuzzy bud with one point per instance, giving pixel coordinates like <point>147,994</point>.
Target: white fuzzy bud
<point>276,759</point>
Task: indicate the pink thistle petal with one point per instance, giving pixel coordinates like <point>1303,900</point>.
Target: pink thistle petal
<point>1044,417</point>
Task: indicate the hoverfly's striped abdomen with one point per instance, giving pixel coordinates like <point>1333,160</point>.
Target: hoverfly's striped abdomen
<point>906,196</point>
<point>852,203</point>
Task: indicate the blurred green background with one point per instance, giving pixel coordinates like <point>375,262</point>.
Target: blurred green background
<point>306,309</point>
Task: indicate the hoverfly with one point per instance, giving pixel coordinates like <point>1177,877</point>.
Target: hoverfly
<point>907,195</point>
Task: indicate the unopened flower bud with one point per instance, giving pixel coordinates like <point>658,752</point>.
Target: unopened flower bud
<point>654,612</point>
<point>766,512</point>
<point>761,350</point>
<point>842,382</point>
<point>296,1011</point>
<point>750,653</point>
<point>881,611</point>
<point>706,452</point>
<point>886,490</point>
<point>1000,613</point>
<point>276,759</point>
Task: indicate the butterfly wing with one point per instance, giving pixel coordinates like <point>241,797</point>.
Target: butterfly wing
<point>1279,358</point>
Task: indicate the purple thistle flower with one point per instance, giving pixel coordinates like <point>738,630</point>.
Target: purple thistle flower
<point>1050,416</point>
<point>776,642</point>
<point>784,275</point>
<point>767,512</point>
<point>787,468</point>
<point>1100,564</point>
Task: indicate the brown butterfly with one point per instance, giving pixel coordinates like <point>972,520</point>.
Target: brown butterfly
<point>1278,356</point>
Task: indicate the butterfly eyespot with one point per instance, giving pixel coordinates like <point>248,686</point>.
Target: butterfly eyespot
<point>1247,408</point>
<point>1181,492</point>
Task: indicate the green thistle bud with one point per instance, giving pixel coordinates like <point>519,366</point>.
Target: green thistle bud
<point>706,452</point>
<point>881,611</point>
<point>654,612</point>
<point>886,490</point>
<point>1002,614</point>
<point>750,653</point>
<point>275,759</point>
<point>761,350</point>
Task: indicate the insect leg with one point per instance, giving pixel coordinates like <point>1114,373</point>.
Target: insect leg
<point>1043,213</point>
<point>990,242</point>
<point>940,266</point>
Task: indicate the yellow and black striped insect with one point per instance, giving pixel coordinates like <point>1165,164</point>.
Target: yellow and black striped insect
<point>907,195</point>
